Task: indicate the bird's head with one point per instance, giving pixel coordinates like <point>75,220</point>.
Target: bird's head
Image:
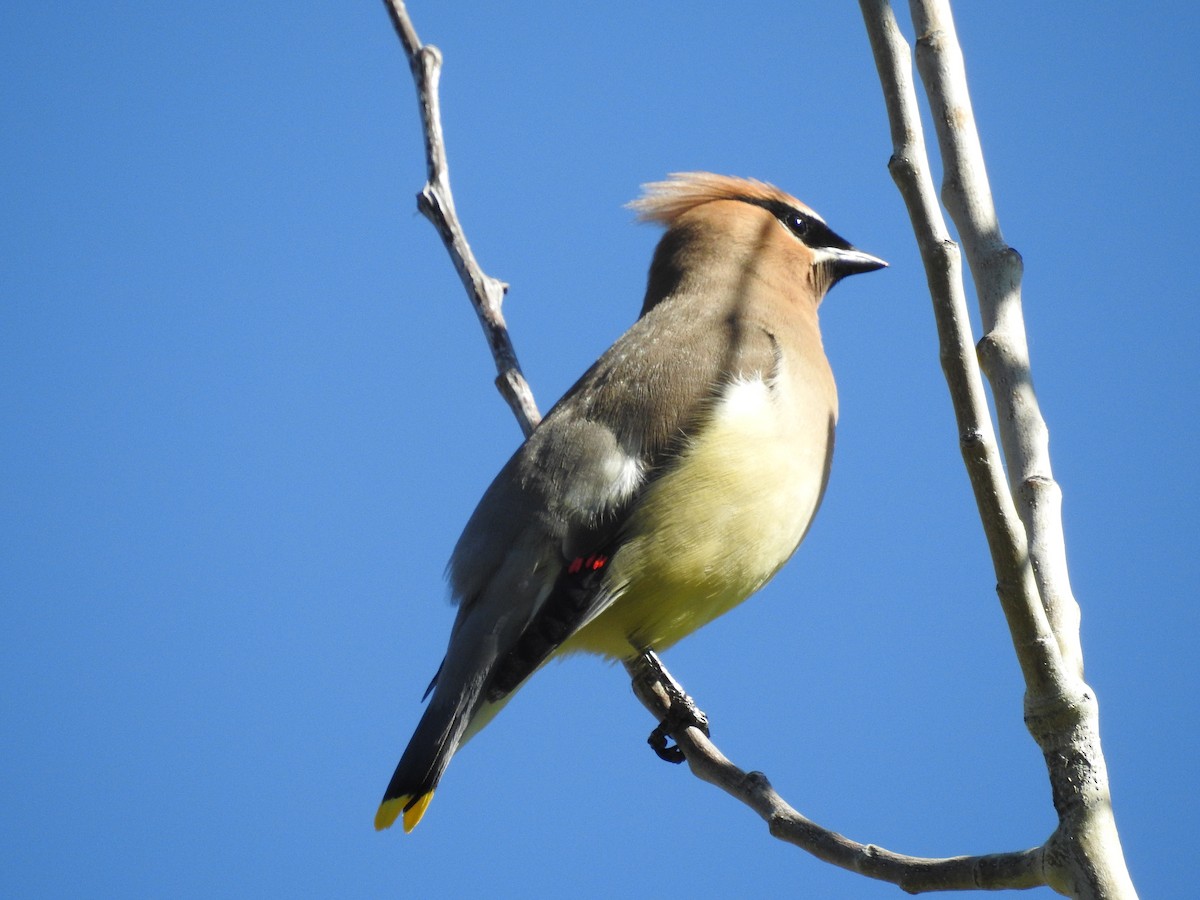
<point>722,223</point>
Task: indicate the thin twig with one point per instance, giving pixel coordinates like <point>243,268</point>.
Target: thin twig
<point>436,203</point>
<point>1019,869</point>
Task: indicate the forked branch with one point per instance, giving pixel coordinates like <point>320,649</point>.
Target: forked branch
<point>1083,857</point>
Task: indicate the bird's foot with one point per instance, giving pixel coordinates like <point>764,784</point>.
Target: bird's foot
<point>682,712</point>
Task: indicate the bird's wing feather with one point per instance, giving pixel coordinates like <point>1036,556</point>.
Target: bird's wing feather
<point>527,570</point>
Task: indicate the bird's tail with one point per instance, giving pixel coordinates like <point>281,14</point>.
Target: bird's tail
<point>412,807</point>
<point>464,700</point>
<point>439,734</point>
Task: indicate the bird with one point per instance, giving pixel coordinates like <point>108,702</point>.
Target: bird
<point>671,482</point>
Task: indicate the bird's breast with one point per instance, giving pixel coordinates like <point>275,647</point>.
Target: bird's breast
<point>726,514</point>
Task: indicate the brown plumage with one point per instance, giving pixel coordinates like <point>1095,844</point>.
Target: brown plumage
<point>671,481</point>
<point>665,201</point>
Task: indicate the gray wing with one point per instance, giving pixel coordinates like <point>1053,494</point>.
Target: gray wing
<point>565,494</point>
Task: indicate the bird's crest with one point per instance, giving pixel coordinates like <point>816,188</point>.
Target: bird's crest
<point>666,201</point>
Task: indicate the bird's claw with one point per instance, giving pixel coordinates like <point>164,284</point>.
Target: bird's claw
<point>683,714</point>
<point>658,743</point>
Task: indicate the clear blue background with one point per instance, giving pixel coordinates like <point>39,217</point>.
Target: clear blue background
<point>246,410</point>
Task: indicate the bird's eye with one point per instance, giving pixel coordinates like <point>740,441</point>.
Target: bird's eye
<point>796,223</point>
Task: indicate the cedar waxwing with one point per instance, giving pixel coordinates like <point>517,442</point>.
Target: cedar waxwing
<point>669,484</point>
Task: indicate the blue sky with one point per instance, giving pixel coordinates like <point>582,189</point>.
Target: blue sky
<point>247,410</point>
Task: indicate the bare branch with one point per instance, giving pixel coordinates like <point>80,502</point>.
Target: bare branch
<point>436,203</point>
<point>1031,633</point>
<point>1020,869</point>
<point>1083,858</point>
<point>1003,351</point>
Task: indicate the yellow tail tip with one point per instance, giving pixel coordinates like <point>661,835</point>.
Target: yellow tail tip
<point>389,811</point>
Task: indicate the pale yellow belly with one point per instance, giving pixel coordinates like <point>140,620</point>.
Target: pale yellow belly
<point>719,525</point>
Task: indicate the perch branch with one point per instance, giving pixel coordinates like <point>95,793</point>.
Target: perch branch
<point>436,203</point>
<point>1019,869</point>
